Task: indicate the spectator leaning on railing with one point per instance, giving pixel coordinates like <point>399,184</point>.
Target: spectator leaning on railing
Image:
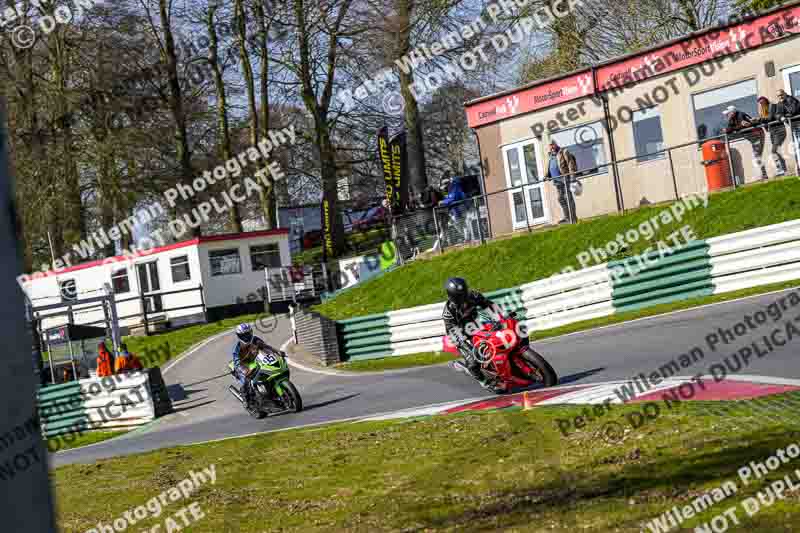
<point>789,108</point>
<point>738,120</point>
<point>768,116</point>
<point>561,168</point>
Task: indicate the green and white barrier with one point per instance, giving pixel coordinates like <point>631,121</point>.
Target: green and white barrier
<point>701,268</point>
<point>120,401</point>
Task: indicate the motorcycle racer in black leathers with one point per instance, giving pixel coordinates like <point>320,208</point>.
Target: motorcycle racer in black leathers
<point>461,309</point>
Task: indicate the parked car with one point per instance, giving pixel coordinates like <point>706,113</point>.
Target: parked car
<point>375,216</point>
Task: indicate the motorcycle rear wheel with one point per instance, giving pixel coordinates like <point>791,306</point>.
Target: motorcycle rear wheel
<point>544,372</point>
<point>291,398</point>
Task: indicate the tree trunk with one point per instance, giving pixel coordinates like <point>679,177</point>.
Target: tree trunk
<point>235,217</point>
<point>330,195</point>
<point>106,200</point>
<point>269,205</point>
<point>417,175</point>
<point>175,99</point>
<point>247,68</point>
<point>333,246</point>
<point>72,227</point>
<point>27,120</point>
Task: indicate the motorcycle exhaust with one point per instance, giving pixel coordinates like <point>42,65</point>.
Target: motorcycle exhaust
<point>236,393</point>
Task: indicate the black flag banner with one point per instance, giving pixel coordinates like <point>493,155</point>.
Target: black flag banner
<point>392,195</point>
<point>397,146</point>
<point>328,251</point>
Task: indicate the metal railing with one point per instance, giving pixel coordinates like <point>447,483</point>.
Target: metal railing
<point>150,304</point>
<point>435,228</point>
<point>296,283</point>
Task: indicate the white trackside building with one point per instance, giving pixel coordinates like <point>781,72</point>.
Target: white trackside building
<point>201,279</point>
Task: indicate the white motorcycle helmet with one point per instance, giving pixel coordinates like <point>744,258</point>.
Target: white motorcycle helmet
<point>245,333</point>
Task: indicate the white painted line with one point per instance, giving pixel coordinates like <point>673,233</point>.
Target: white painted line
<point>305,368</point>
<point>550,340</point>
<point>346,374</point>
<point>421,411</point>
<point>363,418</point>
<point>194,349</point>
<point>763,380</point>
<point>597,394</point>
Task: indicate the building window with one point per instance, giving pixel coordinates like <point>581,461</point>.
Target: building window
<point>120,281</point>
<point>224,262</point>
<point>68,290</point>
<point>709,105</point>
<point>180,268</point>
<point>587,145</point>
<point>647,134</point>
<point>266,255</point>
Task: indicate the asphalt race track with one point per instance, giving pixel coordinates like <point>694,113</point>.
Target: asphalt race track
<point>205,410</point>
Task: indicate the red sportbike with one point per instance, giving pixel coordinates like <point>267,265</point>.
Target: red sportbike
<point>507,359</point>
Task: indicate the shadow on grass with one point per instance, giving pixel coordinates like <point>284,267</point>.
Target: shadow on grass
<point>570,492</point>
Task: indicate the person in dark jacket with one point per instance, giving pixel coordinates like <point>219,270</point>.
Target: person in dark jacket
<point>738,121</point>
<point>455,200</point>
<point>788,109</point>
<point>561,168</point>
<point>789,106</point>
<point>767,114</point>
<point>461,309</point>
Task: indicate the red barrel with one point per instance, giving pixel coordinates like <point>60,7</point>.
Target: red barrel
<point>718,169</point>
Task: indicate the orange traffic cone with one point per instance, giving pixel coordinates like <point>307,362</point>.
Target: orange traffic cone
<point>527,401</point>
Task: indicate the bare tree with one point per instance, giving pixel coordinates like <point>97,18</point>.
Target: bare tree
<point>224,142</point>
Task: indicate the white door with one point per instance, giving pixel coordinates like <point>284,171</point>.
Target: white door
<point>522,162</point>
<point>149,283</point>
<point>791,81</point>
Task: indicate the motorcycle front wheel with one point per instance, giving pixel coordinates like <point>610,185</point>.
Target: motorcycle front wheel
<point>542,371</point>
<point>290,396</point>
<point>255,411</point>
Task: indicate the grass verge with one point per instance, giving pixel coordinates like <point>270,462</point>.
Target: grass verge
<point>529,257</point>
<point>157,349</point>
<point>507,470</point>
<point>67,442</point>
<point>397,362</point>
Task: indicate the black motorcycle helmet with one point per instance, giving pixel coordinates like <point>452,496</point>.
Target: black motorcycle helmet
<point>457,290</point>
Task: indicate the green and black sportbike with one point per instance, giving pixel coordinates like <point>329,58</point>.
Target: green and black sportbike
<point>270,392</point>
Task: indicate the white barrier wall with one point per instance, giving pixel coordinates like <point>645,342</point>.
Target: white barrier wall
<point>722,264</point>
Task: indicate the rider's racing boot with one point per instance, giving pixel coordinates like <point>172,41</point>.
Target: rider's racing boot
<point>475,370</point>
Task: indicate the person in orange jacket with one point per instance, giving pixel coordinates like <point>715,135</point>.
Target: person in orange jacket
<point>127,361</point>
<point>104,363</point>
